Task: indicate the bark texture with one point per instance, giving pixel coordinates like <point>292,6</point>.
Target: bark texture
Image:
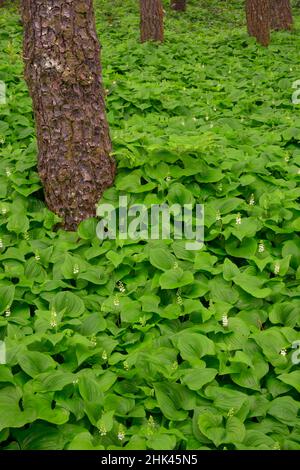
<point>281,15</point>
<point>259,20</point>
<point>63,73</point>
<point>179,5</point>
<point>152,20</point>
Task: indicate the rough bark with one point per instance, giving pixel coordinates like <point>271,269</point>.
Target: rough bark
<point>152,20</point>
<point>63,73</point>
<point>281,15</point>
<point>179,5</point>
<point>258,20</point>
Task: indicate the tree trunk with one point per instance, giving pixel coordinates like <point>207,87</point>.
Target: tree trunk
<point>152,20</point>
<point>179,5</point>
<point>281,15</point>
<point>258,20</point>
<point>63,73</point>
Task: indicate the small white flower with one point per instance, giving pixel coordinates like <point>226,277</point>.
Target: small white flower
<point>121,435</point>
<point>229,71</point>
<point>121,287</point>
<point>252,200</point>
<point>1,243</point>
<point>206,118</point>
<point>102,430</point>
<point>238,219</point>
<point>276,268</point>
<point>231,413</point>
<point>3,210</point>
<point>261,247</point>
<point>291,69</point>
<point>116,302</point>
<point>175,265</point>
<point>126,365</point>
<point>75,381</point>
<point>218,216</point>
<point>94,341</point>
<point>8,172</point>
<point>37,257</point>
<point>276,446</point>
<point>53,319</point>
<point>194,119</point>
<point>76,269</point>
<point>8,311</point>
<point>225,321</point>
<point>214,108</point>
<point>151,422</point>
<point>283,352</point>
<point>203,65</point>
<point>287,158</point>
<point>298,172</point>
<point>220,187</point>
<point>104,355</point>
<point>168,178</point>
<point>178,297</point>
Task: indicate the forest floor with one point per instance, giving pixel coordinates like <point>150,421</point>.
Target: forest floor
<point>146,345</point>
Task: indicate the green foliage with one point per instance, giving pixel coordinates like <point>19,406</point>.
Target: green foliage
<point>144,345</point>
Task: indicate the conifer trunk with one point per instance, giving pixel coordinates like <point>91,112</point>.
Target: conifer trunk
<point>63,73</point>
<point>258,20</point>
<point>152,20</point>
<point>281,15</point>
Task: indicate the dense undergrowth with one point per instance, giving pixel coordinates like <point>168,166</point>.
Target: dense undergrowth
<point>126,344</point>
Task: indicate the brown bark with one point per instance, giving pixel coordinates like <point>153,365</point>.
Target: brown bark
<point>179,5</point>
<point>281,14</point>
<point>152,20</point>
<point>258,20</point>
<point>63,73</point>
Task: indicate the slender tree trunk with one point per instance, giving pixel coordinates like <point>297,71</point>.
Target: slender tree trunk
<point>179,5</point>
<point>258,20</point>
<point>63,73</point>
<point>281,15</point>
<point>152,20</point>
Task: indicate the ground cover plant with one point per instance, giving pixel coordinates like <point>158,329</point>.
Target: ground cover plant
<point>146,345</point>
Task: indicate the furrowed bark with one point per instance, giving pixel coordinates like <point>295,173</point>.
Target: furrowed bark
<point>281,15</point>
<point>179,5</point>
<point>259,20</point>
<point>63,73</point>
<point>152,20</point>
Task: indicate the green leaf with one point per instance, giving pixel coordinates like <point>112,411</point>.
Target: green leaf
<point>67,303</point>
<point>162,259</point>
<point>175,278</point>
<point>34,362</point>
<point>6,297</point>
<point>195,379</point>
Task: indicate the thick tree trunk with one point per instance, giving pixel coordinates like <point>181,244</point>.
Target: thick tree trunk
<point>63,73</point>
<point>258,20</point>
<point>152,20</point>
<point>179,5</point>
<point>281,14</point>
